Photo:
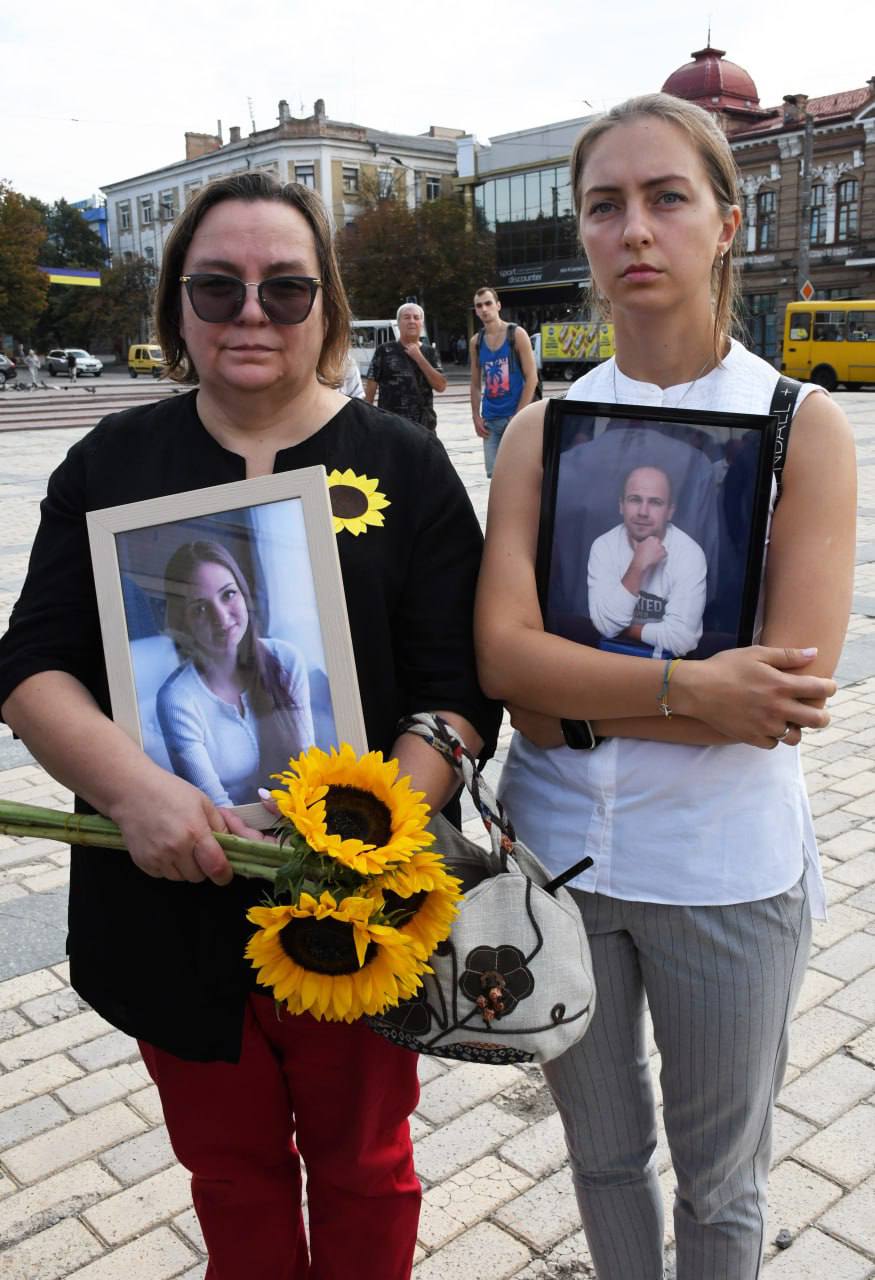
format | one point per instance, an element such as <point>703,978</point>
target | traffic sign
<point>806,293</point>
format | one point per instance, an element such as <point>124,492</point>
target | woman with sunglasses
<point>252,312</point>
<point>682,780</point>
<point>238,702</point>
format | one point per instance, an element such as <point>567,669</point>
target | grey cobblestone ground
<point>88,1184</point>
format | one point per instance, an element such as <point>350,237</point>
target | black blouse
<point>163,960</point>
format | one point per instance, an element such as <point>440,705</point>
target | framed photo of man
<point>225,631</point>
<point>653,527</point>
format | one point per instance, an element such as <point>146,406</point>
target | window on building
<point>191,189</point>
<point>146,209</point>
<point>148,253</point>
<point>167,206</point>
<point>305,175</point>
<point>350,176</point>
<point>432,186</point>
<point>767,220</point>
<point>762,323</point>
<point>124,217</point>
<point>848,210</point>
<point>818,213</point>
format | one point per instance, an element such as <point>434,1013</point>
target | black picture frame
<point>617,475</point>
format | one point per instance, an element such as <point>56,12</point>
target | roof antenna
<point>709,31</point>
<point>251,116</point>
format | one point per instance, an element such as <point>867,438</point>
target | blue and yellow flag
<point>72,275</point>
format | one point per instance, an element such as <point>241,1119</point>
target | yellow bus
<point>830,342</point>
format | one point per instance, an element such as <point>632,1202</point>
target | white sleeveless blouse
<point>689,826</point>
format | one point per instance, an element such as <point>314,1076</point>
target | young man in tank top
<point>506,365</point>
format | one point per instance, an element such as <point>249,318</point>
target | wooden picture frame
<point>687,490</point>
<point>176,649</point>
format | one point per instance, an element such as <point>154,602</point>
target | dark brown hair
<point>260,668</point>
<point>714,151</point>
<point>251,187</point>
<point>487,288</point>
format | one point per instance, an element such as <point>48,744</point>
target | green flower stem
<point>251,858</point>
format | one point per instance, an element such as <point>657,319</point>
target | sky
<point>93,96</point>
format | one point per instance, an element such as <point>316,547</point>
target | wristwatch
<point>579,735</point>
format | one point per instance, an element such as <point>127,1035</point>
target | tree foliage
<point>23,289</point>
<point>71,241</point>
<point>107,318</point>
<point>391,252</point>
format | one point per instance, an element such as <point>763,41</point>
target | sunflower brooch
<point>355,502</point>
<point>359,901</point>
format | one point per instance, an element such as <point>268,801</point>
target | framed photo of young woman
<point>225,631</point>
<point>653,526</point>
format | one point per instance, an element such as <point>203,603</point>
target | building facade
<point>518,186</point>
<point>807,175</point>
<point>345,163</point>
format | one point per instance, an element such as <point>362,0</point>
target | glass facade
<point>532,217</point>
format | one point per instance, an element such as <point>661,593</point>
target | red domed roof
<point>713,83</point>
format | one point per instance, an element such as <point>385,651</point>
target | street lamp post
<point>804,259</point>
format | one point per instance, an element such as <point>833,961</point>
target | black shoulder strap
<point>511,344</point>
<point>781,408</point>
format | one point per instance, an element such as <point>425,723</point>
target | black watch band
<point>578,734</point>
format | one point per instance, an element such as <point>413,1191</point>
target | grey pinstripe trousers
<point>721,984</point>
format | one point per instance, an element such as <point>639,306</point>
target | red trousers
<point>336,1093</point>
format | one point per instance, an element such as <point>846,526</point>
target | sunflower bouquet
<point>361,902</point>
<point>358,900</point>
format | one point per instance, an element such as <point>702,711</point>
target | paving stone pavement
<point>88,1184</point>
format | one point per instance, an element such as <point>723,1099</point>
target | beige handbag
<point>513,982</point>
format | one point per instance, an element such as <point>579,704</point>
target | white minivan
<point>367,335</point>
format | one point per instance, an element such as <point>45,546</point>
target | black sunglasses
<point>283,299</point>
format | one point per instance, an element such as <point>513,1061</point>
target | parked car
<point>56,361</point>
<point>7,369</point>
<point>146,357</point>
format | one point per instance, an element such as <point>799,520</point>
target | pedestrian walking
<point>72,367</point>
<point>32,362</point>
<point>682,780</point>
<point>503,361</point>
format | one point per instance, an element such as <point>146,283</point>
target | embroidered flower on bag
<point>496,979</point>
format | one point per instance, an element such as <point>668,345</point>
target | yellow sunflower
<point>355,502</point>
<point>356,810</point>
<point>423,888</point>
<point>329,960</point>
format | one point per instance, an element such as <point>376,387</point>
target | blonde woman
<point>705,872</point>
